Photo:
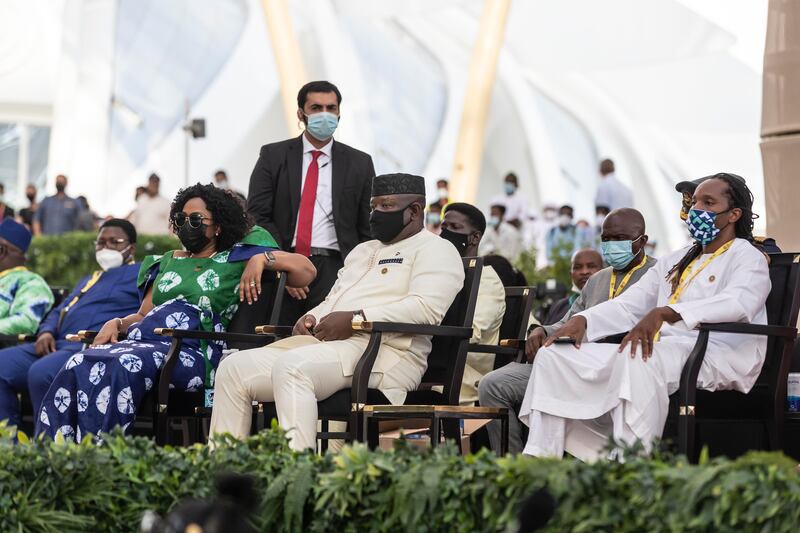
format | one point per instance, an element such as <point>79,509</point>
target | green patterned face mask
<point>702,225</point>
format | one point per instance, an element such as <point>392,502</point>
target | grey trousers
<point>505,387</point>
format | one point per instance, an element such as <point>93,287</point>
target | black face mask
<point>386,225</point>
<point>459,240</point>
<point>60,187</point>
<point>193,239</point>
<point>31,197</point>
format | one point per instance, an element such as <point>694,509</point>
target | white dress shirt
<point>323,232</point>
<point>516,206</point>
<point>151,216</point>
<point>612,193</point>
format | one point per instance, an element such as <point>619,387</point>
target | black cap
<point>690,186</point>
<point>387,184</point>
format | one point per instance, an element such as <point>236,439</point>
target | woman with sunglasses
<point>199,287</point>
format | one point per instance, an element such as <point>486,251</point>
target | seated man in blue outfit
<point>96,299</point>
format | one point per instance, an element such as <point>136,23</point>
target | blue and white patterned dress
<point>102,387</point>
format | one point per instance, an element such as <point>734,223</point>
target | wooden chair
<point>450,344</point>
<point>519,301</point>
<point>765,403</point>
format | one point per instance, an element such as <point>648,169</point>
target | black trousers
<point>327,269</point>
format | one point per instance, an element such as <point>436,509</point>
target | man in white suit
<point>405,275</point>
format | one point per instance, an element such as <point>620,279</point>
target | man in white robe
<point>580,395</point>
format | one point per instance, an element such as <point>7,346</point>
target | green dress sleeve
<point>258,236</point>
<point>257,241</point>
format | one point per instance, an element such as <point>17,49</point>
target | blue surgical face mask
<point>433,219</point>
<point>322,125</point>
<point>510,188</point>
<point>494,221</point>
<point>618,254</point>
<point>702,226</point>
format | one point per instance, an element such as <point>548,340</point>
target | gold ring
<point>252,283</point>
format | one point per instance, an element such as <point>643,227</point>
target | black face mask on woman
<point>193,239</point>
<point>386,225</point>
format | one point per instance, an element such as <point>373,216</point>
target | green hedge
<point>64,259</point>
<point>46,486</point>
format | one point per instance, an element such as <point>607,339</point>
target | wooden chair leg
<point>323,442</point>
<point>371,432</point>
<point>775,432</point>
<point>686,436</point>
<point>452,431</point>
<point>503,435</point>
<point>162,429</point>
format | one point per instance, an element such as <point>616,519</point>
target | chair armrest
<point>489,348</point>
<point>412,329</point>
<point>512,343</point>
<point>82,336</point>
<point>210,335</point>
<point>279,331</point>
<point>751,329</point>
<point>17,338</point>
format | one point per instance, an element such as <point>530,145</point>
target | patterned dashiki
<point>24,300</point>
<point>102,387</point>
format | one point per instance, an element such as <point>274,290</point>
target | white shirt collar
<point>308,147</point>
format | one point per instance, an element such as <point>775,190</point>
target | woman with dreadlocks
<point>581,394</point>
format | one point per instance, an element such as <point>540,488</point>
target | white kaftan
<point>577,398</point>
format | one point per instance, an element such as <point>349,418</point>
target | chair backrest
<point>519,301</point>
<point>449,355</point>
<point>59,293</point>
<point>782,305</point>
<point>265,311</point>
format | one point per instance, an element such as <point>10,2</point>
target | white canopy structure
<point>668,89</point>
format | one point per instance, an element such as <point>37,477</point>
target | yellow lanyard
<point>89,284</point>
<point>686,279</point>
<point>614,293</point>
<point>8,271</point>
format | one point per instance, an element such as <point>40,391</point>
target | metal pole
<point>187,132</point>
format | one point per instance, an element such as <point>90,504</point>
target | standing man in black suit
<point>312,193</point>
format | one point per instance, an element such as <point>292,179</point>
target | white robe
<point>576,398</point>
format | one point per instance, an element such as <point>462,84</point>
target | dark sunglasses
<point>195,219</point>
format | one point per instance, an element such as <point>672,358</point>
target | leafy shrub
<point>64,259</point>
<point>46,486</point>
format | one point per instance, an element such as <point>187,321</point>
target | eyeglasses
<point>195,219</point>
<point>109,243</point>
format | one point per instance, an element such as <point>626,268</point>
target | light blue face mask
<point>493,221</point>
<point>618,254</point>
<point>322,125</point>
<point>510,188</point>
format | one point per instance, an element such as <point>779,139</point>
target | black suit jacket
<point>274,196</point>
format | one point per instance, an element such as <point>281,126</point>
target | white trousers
<point>295,373</point>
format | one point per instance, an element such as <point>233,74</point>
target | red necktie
<point>305,217</point>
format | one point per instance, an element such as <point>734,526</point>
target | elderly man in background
<point>623,242</point>
<point>584,264</point>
